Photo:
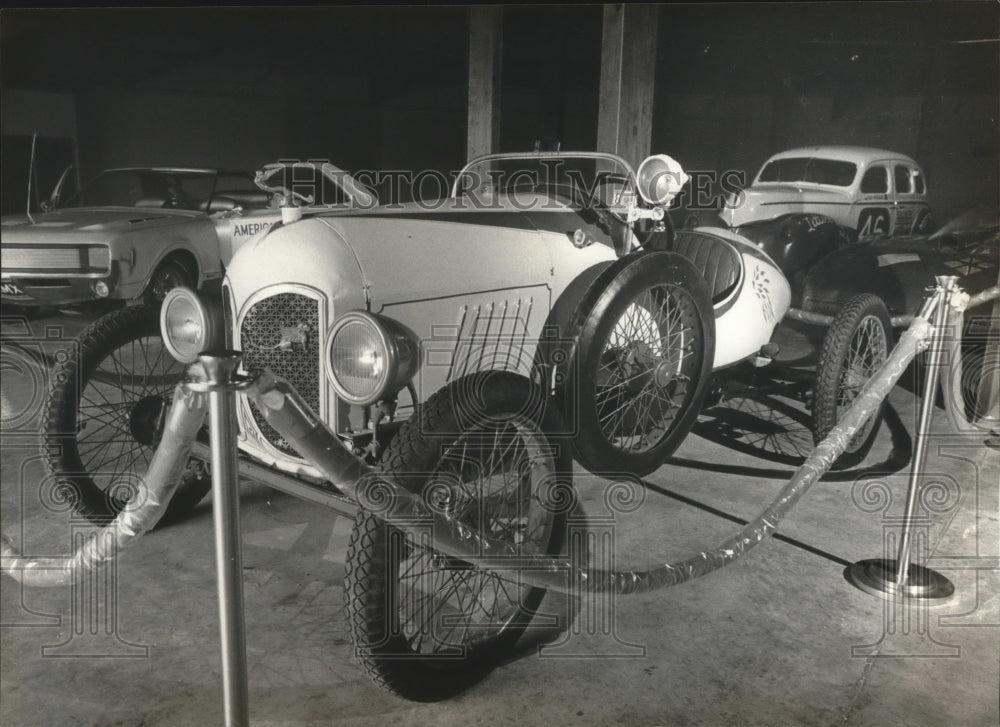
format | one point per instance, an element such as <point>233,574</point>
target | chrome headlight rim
<point>390,340</point>
<point>659,180</point>
<point>206,317</point>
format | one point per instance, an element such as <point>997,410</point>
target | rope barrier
<point>301,427</point>
<point>143,511</point>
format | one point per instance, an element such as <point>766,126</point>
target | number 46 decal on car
<point>873,222</point>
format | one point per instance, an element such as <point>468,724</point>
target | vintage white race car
<point>469,348</point>
<point>136,233</point>
<point>475,282</point>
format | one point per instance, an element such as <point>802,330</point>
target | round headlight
<point>187,325</point>
<point>369,357</point>
<point>659,179</point>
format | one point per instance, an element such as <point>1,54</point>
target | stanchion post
<point>220,369</point>
<point>946,283</point>
<point>886,578</point>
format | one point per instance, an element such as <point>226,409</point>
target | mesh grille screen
<point>281,333</point>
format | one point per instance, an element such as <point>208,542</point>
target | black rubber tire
<point>600,444</point>
<point>79,375</point>
<point>418,459</point>
<point>863,320</point>
<point>168,275</point>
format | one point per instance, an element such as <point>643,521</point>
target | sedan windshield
<point>809,169</point>
<point>178,189</point>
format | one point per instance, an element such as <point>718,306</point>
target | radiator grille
<point>281,333</point>
<point>95,258</point>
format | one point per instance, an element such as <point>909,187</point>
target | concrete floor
<point>777,638</point>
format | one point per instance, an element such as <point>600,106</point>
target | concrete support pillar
<point>628,64</point>
<point>485,55</point>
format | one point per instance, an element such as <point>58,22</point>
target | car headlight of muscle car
<point>189,325</point>
<point>370,357</point>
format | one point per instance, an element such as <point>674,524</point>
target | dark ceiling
<point>78,50</point>
<point>744,45</point>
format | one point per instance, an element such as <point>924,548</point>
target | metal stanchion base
<point>878,578</point>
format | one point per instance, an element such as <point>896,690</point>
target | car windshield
<point>556,179</point>
<point>178,189</point>
<point>809,169</point>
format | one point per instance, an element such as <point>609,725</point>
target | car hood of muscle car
<point>95,222</point>
<point>767,201</point>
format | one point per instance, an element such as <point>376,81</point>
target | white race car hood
<point>407,257</point>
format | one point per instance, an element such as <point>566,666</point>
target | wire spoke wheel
<point>484,484</point>
<point>646,342</point>
<point>855,347</point>
<point>427,625</point>
<point>105,416</point>
<point>122,408</point>
<point>643,379</point>
<point>867,351</point>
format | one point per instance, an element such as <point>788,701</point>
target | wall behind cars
<point>123,128</point>
<point>739,82</point>
<point>45,121</point>
<point>376,87</point>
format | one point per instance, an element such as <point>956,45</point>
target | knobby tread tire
<point>416,448</point>
<point>69,379</point>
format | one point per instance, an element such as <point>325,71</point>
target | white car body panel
<point>761,301</point>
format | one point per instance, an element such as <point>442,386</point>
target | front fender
<point>857,269</point>
<point>141,254</point>
<point>796,242</point>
